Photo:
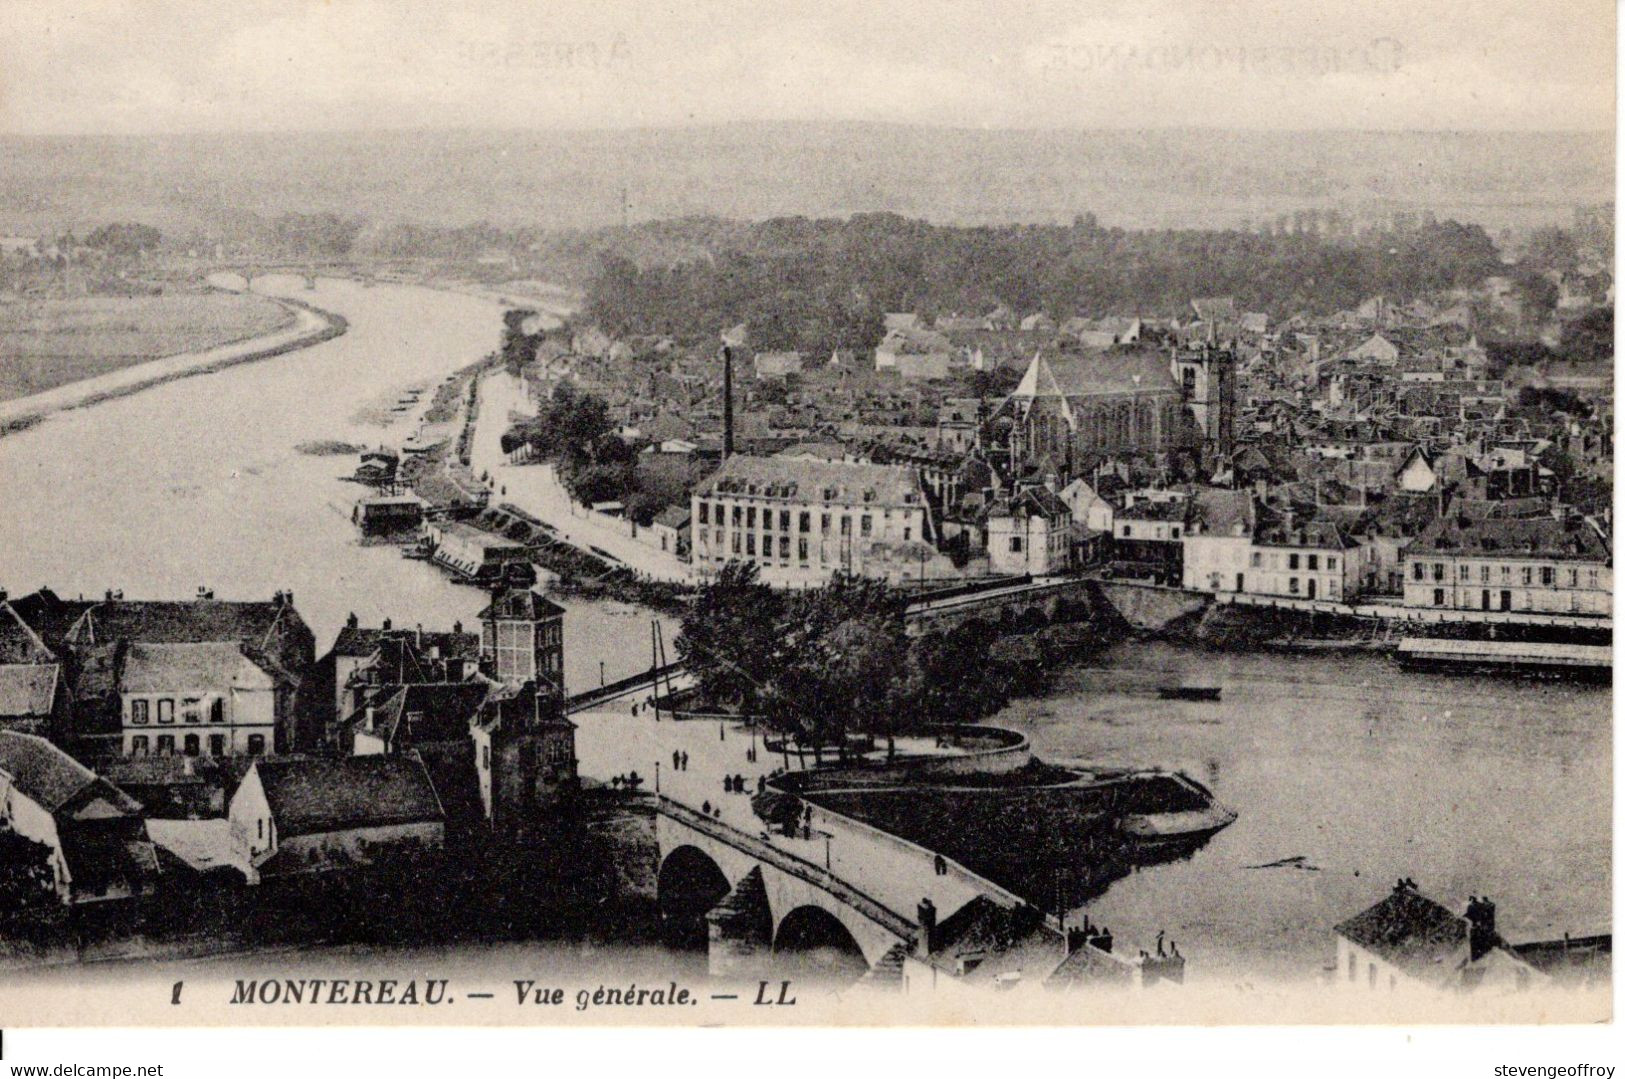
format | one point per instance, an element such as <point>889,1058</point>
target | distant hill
<point>575,179</point>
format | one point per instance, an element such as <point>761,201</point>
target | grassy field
<point>50,343</point>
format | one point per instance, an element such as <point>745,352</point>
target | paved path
<point>535,488</point>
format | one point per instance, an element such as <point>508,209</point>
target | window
<point>1484,573</point>
<point>485,757</point>
<point>705,513</point>
<point>138,713</point>
<point>194,745</point>
<point>823,521</point>
<point>166,745</point>
<point>1591,578</point>
<point>1416,571</point>
<point>1292,586</point>
<point>806,521</point>
<point>1465,572</point>
<point>784,548</point>
<point>1574,578</point>
<point>1548,576</point>
<point>801,550</point>
<point>1314,561</point>
<point>1257,560</point>
<point>867,525</point>
<point>736,516</point>
<point>907,532</point>
<point>750,517</point>
<point>217,711</point>
<point>1438,571</point>
<point>784,520</point>
<point>1331,561</point>
<point>736,542</point>
<point>1127,531</point>
<point>1528,575</point>
<point>1438,597</point>
<point>1015,544</point>
<point>515,650</point>
<point>138,745</point>
<point>1176,531</point>
<point>1292,561</point>
<point>166,711</point>
<point>217,745</point>
<point>750,544</point>
<point>256,745</point>
<point>260,827</point>
<point>191,710</point>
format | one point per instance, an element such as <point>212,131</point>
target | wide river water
<point>198,482</point>
<point>1364,773</point>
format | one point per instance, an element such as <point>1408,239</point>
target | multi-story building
<point>212,698</point>
<point>522,639</point>
<point>814,517</point>
<point>1030,531</point>
<point>1539,565</point>
<point>1315,560</point>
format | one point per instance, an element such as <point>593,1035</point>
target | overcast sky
<point>129,66</point>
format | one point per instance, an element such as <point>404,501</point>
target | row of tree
<point>822,664</point>
<point>817,285</point>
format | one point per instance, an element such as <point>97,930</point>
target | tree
<point>27,882</point>
<point>730,637</point>
<point>1589,339</point>
<point>126,240</point>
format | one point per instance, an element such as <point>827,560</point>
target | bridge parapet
<point>795,866</point>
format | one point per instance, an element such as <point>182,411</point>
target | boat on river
<point>1189,693</point>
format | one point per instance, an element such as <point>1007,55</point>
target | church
<point>1075,409</point>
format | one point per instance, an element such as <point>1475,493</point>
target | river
<point>1471,786</point>
<point>198,482</point>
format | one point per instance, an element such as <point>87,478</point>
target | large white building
<point>812,517</point>
<point>1543,566</point>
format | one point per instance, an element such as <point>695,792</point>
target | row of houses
<point>139,738</point>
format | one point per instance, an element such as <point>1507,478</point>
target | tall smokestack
<point>727,401</point>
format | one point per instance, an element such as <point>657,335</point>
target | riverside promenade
<point>535,488</point>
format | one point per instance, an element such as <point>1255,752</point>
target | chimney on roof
<point>388,624</point>
<point>457,627</point>
<point>109,596</point>
<point>352,622</point>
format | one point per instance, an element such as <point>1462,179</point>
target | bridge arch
<point>814,945</point>
<point>690,883</point>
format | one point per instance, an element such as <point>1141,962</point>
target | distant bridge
<point>1023,601</point>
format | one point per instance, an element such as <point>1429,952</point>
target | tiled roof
<point>51,778</point>
<point>164,621</point>
<point>310,795</point>
<point>1086,374</point>
<point>1548,538</point>
<point>815,481</point>
<point>444,711</point>
<point>1414,933</point>
<point>215,665</point>
<point>27,689</point>
<point>521,604</point>
<point>361,641</point>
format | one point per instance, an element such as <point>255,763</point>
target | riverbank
<point>311,326</point>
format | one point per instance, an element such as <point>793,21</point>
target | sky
<point>158,66</point>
